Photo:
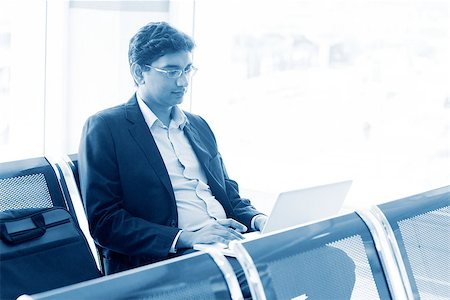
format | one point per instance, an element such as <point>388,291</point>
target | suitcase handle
<point>23,236</point>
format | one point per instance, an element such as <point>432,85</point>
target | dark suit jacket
<point>127,192</point>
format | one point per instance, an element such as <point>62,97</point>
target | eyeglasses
<point>176,73</point>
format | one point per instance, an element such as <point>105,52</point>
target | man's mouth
<point>179,93</point>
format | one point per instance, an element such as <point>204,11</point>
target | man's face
<point>159,89</point>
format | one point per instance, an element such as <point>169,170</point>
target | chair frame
<point>389,253</point>
<point>74,202</point>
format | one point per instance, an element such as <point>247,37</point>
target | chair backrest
<point>332,259</point>
<point>29,183</point>
<point>193,276</point>
<point>420,227</point>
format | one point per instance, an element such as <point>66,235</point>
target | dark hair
<point>155,40</point>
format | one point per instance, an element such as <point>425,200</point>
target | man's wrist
<point>184,240</point>
<point>259,221</point>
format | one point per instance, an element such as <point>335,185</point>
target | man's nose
<point>183,80</point>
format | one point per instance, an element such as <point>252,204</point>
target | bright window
<point>298,92</point>
<point>22,79</point>
<point>308,92</point>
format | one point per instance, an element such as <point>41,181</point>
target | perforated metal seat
<point>421,230</point>
<point>29,183</point>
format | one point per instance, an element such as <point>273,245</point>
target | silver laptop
<point>298,207</point>
<point>307,205</point>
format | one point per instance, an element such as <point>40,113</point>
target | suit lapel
<point>204,156</point>
<point>200,150</point>
<point>142,136</point>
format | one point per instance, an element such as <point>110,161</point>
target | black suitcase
<point>41,249</point>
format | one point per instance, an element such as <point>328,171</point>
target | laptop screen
<point>307,205</point>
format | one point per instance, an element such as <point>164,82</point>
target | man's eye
<point>173,72</point>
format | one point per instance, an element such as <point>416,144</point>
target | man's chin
<point>179,99</point>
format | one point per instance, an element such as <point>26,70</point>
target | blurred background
<point>298,93</point>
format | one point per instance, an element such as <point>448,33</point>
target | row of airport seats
<point>396,250</point>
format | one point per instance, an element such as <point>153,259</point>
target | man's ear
<point>136,72</point>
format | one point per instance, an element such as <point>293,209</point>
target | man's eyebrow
<point>175,66</point>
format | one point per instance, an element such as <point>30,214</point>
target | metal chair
<point>331,259</point>
<point>192,276</point>
<point>33,184</point>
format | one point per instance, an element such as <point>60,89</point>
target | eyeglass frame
<point>190,72</point>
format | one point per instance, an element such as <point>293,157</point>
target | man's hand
<point>222,231</point>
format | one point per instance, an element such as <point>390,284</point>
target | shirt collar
<point>178,118</point>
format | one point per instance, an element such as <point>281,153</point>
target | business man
<point>152,179</point>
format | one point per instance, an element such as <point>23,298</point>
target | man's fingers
<point>235,234</point>
<point>233,224</point>
<point>222,231</point>
<point>227,233</point>
<point>224,236</point>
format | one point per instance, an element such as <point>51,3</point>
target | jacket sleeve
<point>111,225</point>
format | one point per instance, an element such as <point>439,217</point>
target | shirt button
<point>172,223</point>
